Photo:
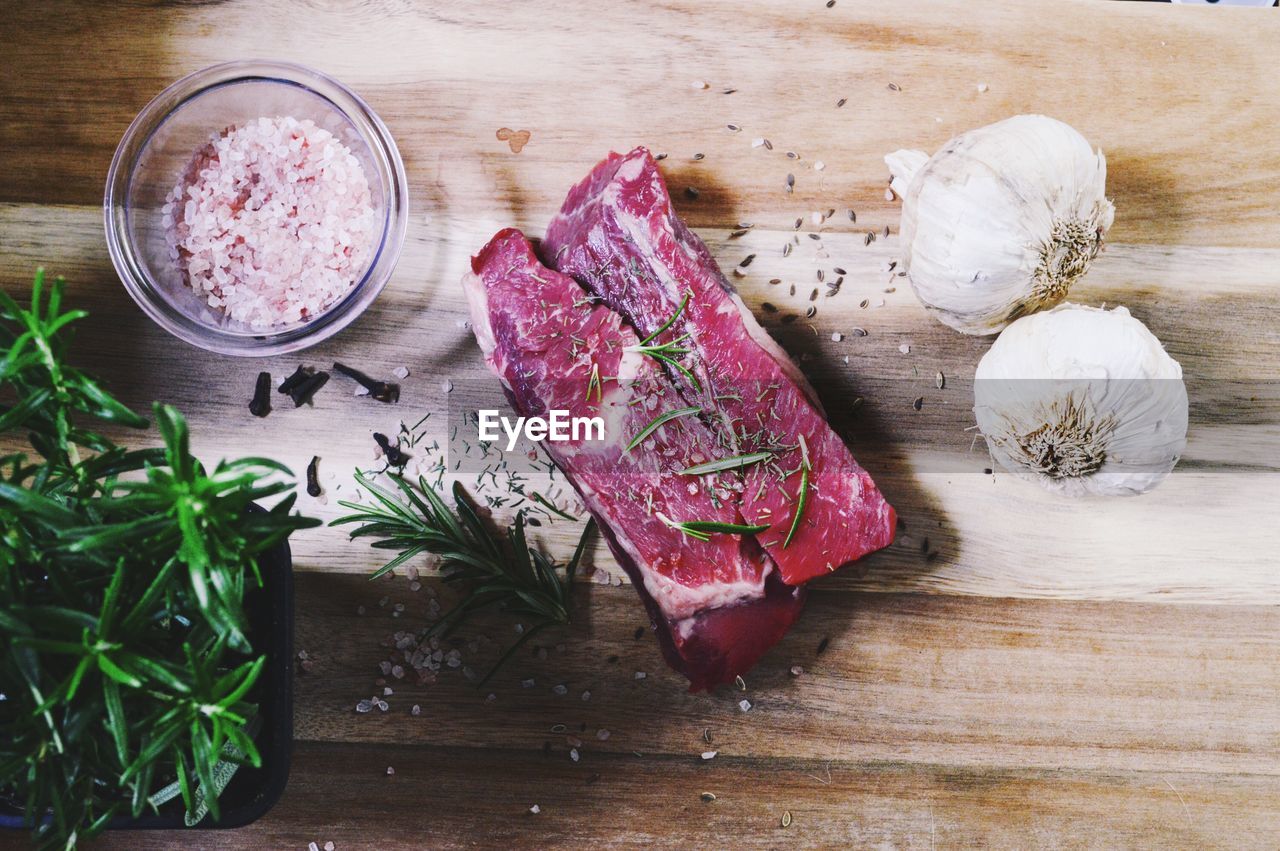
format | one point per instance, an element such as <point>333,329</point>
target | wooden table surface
<point>1017,671</point>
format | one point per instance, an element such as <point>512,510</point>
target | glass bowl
<point>160,144</point>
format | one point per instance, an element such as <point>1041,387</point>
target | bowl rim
<point>138,282</point>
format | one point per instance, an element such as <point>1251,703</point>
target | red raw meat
<point>718,605</point>
<point>618,234</point>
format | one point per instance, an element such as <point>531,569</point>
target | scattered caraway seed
<point>729,91</point>
<point>692,192</point>
<point>659,157</point>
<point>792,155</point>
<point>775,281</point>
<point>885,231</point>
<point>382,391</point>
<point>841,102</point>
<point>313,477</point>
<point>639,633</point>
<point>824,644</point>
<point>864,303</point>
<point>789,318</point>
<point>699,156</point>
<point>813,296</point>
<point>940,380</point>
<point>839,270</point>
<point>768,307</point>
<point>740,683</point>
<point>746,261</point>
<point>738,233</point>
<point>786,818</point>
<point>260,405</point>
<point>918,403</point>
<point>815,236</point>
<point>708,797</point>
<point>894,87</point>
<point>732,128</point>
<point>853,217</point>
<point>811,312</point>
<point>392,452</point>
<point>791,183</point>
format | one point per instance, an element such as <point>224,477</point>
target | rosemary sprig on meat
<point>657,422</point>
<point>803,498</point>
<point>702,530</point>
<point>737,462</point>
<point>495,570</point>
<point>669,352</point>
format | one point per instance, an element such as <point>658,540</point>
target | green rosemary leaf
<point>494,570</point>
<point>703,529</point>
<point>657,423</point>
<point>801,501</point>
<point>665,325</point>
<point>735,463</point>
<point>547,504</point>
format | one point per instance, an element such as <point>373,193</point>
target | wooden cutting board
<point>1017,671</point>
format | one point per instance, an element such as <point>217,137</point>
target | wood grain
<point>1017,671</point>
<point>926,722</point>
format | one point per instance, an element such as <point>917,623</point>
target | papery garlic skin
<point>1001,221</point>
<point>1083,401</point>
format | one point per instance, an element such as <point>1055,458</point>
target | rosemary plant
<point>126,661</point>
<point>496,571</point>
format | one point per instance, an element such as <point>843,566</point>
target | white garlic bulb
<point>1083,401</point>
<point>1001,221</point>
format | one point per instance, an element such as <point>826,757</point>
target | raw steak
<point>618,234</point>
<point>717,604</point>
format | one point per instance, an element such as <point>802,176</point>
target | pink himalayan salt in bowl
<point>255,208</point>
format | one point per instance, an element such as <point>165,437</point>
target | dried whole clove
<point>300,375</point>
<point>302,392</point>
<point>391,451</point>
<point>260,405</point>
<point>313,476</point>
<point>383,391</point>
<point>303,384</point>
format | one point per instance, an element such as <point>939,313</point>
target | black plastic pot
<point>252,791</point>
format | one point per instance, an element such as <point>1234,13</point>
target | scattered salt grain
<point>700,84</point>
<point>586,696</point>
<point>836,337</point>
<point>560,690</point>
<point>602,735</point>
<point>529,683</point>
<point>329,846</point>
<point>709,754</point>
<point>819,165</point>
<point>573,755</point>
<point>400,372</point>
<point>311,846</point>
<point>271,222</point>
<point>905,348</point>
<point>982,88</point>
<point>744,705</point>
<point>640,675</point>
<point>535,809</point>
<point>390,771</point>
<point>364,706</point>
<point>416,710</point>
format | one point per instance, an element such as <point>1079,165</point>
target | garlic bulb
<point>1083,401</point>
<point>1001,221</point>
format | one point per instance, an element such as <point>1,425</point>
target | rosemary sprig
<point>803,498</point>
<point>507,573</point>
<point>669,352</point>
<point>550,506</point>
<point>125,655</point>
<point>665,325</point>
<point>737,462</point>
<point>702,530</point>
<point>657,422</point>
